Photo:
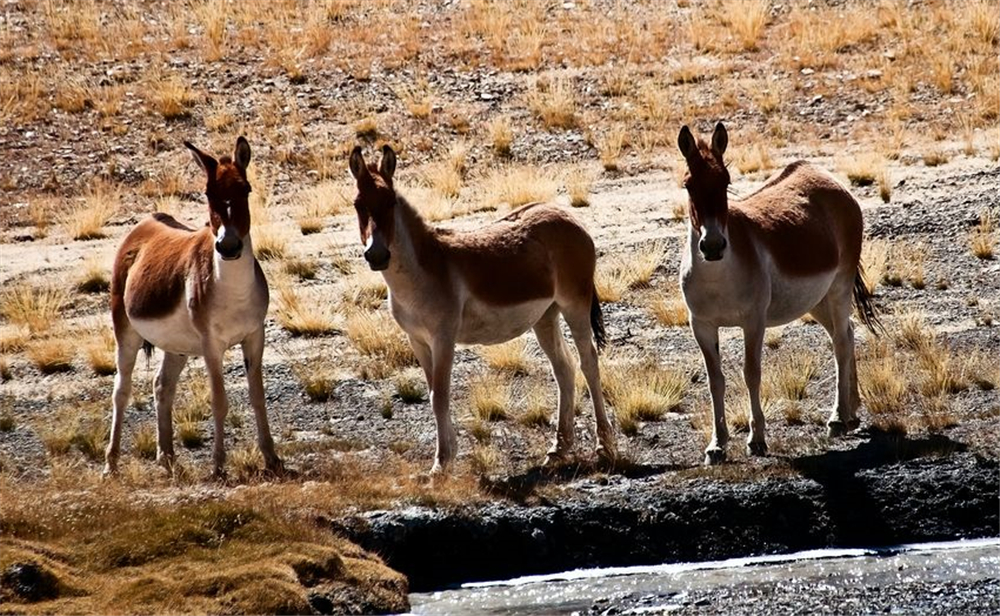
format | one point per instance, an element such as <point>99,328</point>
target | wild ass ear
<point>720,139</point>
<point>205,161</point>
<point>358,167</point>
<point>387,166</point>
<point>686,142</point>
<point>242,154</point>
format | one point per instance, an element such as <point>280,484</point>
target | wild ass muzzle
<point>485,287</point>
<point>791,248</point>
<point>193,292</point>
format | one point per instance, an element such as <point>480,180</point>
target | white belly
<point>792,297</point>
<point>175,333</point>
<point>488,324</point>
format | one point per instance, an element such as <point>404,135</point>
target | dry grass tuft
<point>578,187</point>
<point>619,273</point>
<point>501,136</point>
<point>410,386</point>
<point>300,315</point>
<point>935,157</point>
<point>377,336</point>
<point>983,240</point>
<point>144,441</point>
<point>511,357</point>
<point>874,261</point>
<point>788,375</point>
<point>555,105</point>
<point>100,352</point>
<point>486,460</point>
<point>101,202</point>
<point>670,310</point>
<point>753,158</point>
<point>303,268</point>
<point>490,396</point>
<point>640,389</point>
<point>746,20</point>
<point>537,412</point>
<point>516,186</point>
<point>609,148</point>
<point>863,169</point>
<point>171,97</point>
<point>35,307</point>
<point>316,376</point>
<point>94,278</point>
<point>882,383</point>
<point>366,290</point>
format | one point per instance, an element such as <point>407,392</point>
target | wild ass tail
<point>863,302</point>
<point>597,322</point>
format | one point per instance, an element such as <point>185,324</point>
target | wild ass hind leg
<point>165,389</point>
<point>583,335</point>
<point>220,408</point>
<point>834,314</point>
<point>253,359</point>
<point>554,346</point>
<point>442,358</point>
<point>127,342</point>
<point>753,343</point>
<point>707,336</point>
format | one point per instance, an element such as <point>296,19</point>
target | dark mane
<point>787,171</point>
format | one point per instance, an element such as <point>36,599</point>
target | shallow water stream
<point>669,587</point>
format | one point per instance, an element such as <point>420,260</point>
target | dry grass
<point>37,308</point>
<point>578,186</point>
<point>100,351</point>
<point>410,386</point>
<point>863,169</point>
<point>935,157</point>
<point>445,179</point>
<point>874,261</point>
<point>501,136</point>
<point>101,201</point>
<point>746,20</point>
<point>269,242</point>
<point>670,310</point>
<point>753,158</point>
<point>884,180</point>
<point>640,389</point>
<point>366,290</point>
<point>316,376</point>
<point>303,268</point>
<point>516,186</point>
<point>52,355</point>
<point>509,357</point>
<point>983,239</point>
<point>486,460</point>
<point>13,338</point>
<point>377,336</point>
<point>94,277</point>
<point>171,97</point>
<point>144,441</point>
<point>609,148</point>
<point>554,105</point>
<point>788,375</point>
<point>537,412</point>
<point>619,273</point>
<point>490,396</point>
<point>301,315</point>
<point>882,383</point>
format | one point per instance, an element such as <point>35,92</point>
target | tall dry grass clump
<point>621,272</point>
<point>510,357</point>
<point>300,315</point>
<point>554,105</point>
<point>490,396</point>
<point>516,186</point>
<point>36,307</point>
<point>639,389</point>
<point>983,239</point>
<point>101,201</point>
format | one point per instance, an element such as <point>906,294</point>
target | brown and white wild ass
<point>791,248</point>
<point>193,292</point>
<point>485,287</point>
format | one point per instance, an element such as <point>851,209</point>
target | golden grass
<point>537,412</point>
<point>516,186</point>
<point>317,377</point>
<point>486,460</point>
<point>303,268</point>
<point>501,136</point>
<point>670,310</point>
<point>269,242</point>
<point>37,308</point>
<point>609,148</point>
<point>377,336</point>
<point>365,290</point>
<point>554,105</point>
<point>101,202</point>
<point>578,186</point>
<point>13,338</point>
<point>788,375</point>
<point>746,20</point>
<point>144,441</point>
<point>100,351</point>
<point>410,386</point>
<point>881,383</point>
<point>490,396</point>
<point>511,357</point>
<point>301,315</point>
<point>753,158</point>
<point>639,389</point>
<point>874,261</point>
<point>862,169</point>
<point>444,178</point>
<point>884,179</point>
<point>934,157</point>
<point>621,272</point>
<point>171,97</point>
<point>983,239</point>
<point>366,128</point>
<point>94,277</point>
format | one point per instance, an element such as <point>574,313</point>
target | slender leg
<point>128,343</point>
<point>442,356</point>
<point>707,336</point>
<point>833,313</point>
<point>253,359</point>
<point>552,343</point>
<point>425,359</point>
<point>583,335</point>
<point>165,389</point>
<point>753,342</point>
<point>220,406</point>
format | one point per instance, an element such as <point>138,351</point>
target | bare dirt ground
<point>489,106</point>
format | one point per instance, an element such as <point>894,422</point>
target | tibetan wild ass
<point>485,287</point>
<point>193,292</point>
<point>791,248</point>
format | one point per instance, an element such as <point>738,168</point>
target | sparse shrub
<point>670,311</point>
<point>982,241</point>
<point>578,188</point>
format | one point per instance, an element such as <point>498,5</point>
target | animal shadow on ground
<point>522,487</point>
<point>869,502</point>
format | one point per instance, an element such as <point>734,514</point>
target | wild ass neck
<point>235,276</point>
<point>407,276</point>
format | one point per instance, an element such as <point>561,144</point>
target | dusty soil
<point>301,128</point>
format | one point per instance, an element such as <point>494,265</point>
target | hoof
<point>838,428</point>
<point>275,468</point>
<point>757,448</point>
<point>714,455</point>
<point>554,459</point>
<point>109,471</point>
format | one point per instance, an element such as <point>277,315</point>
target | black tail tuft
<point>597,322</point>
<point>147,350</point>
<point>863,302</point>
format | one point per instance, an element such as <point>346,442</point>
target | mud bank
<point>886,491</point>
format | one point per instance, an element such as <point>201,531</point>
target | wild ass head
<point>228,194</point>
<point>375,205</point>
<point>707,182</point>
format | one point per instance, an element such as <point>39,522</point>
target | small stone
<point>807,71</point>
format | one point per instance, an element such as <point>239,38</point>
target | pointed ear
<point>241,156</point>
<point>686,142</point>
<point>358,167</point>
<point>205,161</point>
<point>720,139</point>
<point>387,166</point>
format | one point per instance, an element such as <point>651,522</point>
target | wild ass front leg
<point>753,343</point>
<point>443,354</point>
<point>552,343</point>
<point>165,389</point>
<point>220,408</point>
<point>128,344</point>
<point>253,360</point>
<point>707,337</point>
